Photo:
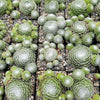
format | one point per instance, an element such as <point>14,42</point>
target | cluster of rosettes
<point>50,54</point>
<point>77,30</point>
<point>20,54</point>
<point>84,7</point>
<point>51,85</point>
<point>82,31</point>
<point>24,31</point>
<point>53,27</point>
<point>57,4</point>
<point>27,7</point>
<point>3,29</point>
<point>17,84</point>
<point>6,6</point>
<point>16,73</point>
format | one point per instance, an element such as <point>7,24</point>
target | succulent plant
<point>83,90</point>
<point>78,74</point>
<point>69,95</point>
<point>80,56</point>
<point>97,31</point>
<point>42,20</point>
<point>17,84</point>
<point>50,27</point>
<point>80,30</point>
<point>1,92</point>
<point>17,89</point>
<point>67,81</point>
<point>85,7</point>
<point>78,7</point>
<point>97,76</point>
<point>61,1</point>
<point>62,6</point>
<point>26,6</point>
<point>96,97</point>
<point>94,49</point>
<point>77,30</point>
<point>3,29</point>
<point>3,64</point>
<point>6,6</point>
<point>50,54</point>
<point>2,45</point>
<point>31,67</point>
<point>21,54</point>
<point>80,33</point>
<point>15,14</point>
<point>53,27</point>
<point>97,8</point>
<point>15,3</point>
<point>86,70</point>
<point>24,31</point>
<point>52,6</point>
<point>49,4</point>
<point>50,86</point>
<point>34,14</point>
<point>79,27</point>
<point>96,60</point>
<point>37,1</point>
